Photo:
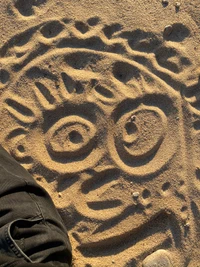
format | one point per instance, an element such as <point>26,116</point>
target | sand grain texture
<point>100,103</point>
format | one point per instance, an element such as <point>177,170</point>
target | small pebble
<point>158,258</point>
<point>132,118</point>
<point>187,225</point>
<point>177,4</point>
<point>135,194</point>
<point>168,30</point>
<point>59,194</point>
<point>165,2</point>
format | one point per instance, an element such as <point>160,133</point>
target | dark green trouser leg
<point>31,230</point>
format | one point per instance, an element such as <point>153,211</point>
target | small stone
<point>165,2</point>
<point>59,194</point>
<point>160,258</point>
<point>168,30</point>
<point>177,4</point>
<point>135,194</point>
<point>187,225</point>
<point>133,118</point>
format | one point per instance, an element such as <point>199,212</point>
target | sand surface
<point>100,101</point>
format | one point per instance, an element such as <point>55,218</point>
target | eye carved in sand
<point>70,136</point>
<point>140,133</point>
<point>139,138</point>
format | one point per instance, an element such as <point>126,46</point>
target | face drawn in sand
<point>99,113</point>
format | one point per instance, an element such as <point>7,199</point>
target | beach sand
<point>100,102</point>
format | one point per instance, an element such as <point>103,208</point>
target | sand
<point>100,102</point>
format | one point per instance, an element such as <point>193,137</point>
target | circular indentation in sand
<point>75,137</point>
<point>103,91</point>
<point>146,193</point>
<point>131,128</point>
<point>4,76</point>
<point>149,206</point>
<point>52,29</point>
<point>166,186</point>
<point>124,72</point>
<point>39,178</point>
<point>25,7</point>
<point>93,21</point>
<point>184,208</point>
<point>82,27</point>
<point>21,148</point>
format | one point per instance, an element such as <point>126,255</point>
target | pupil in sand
<point>75,137</point>
<point>131,128</point>
<point>21,148</point>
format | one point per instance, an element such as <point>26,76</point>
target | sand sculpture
<point>107,120</point>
